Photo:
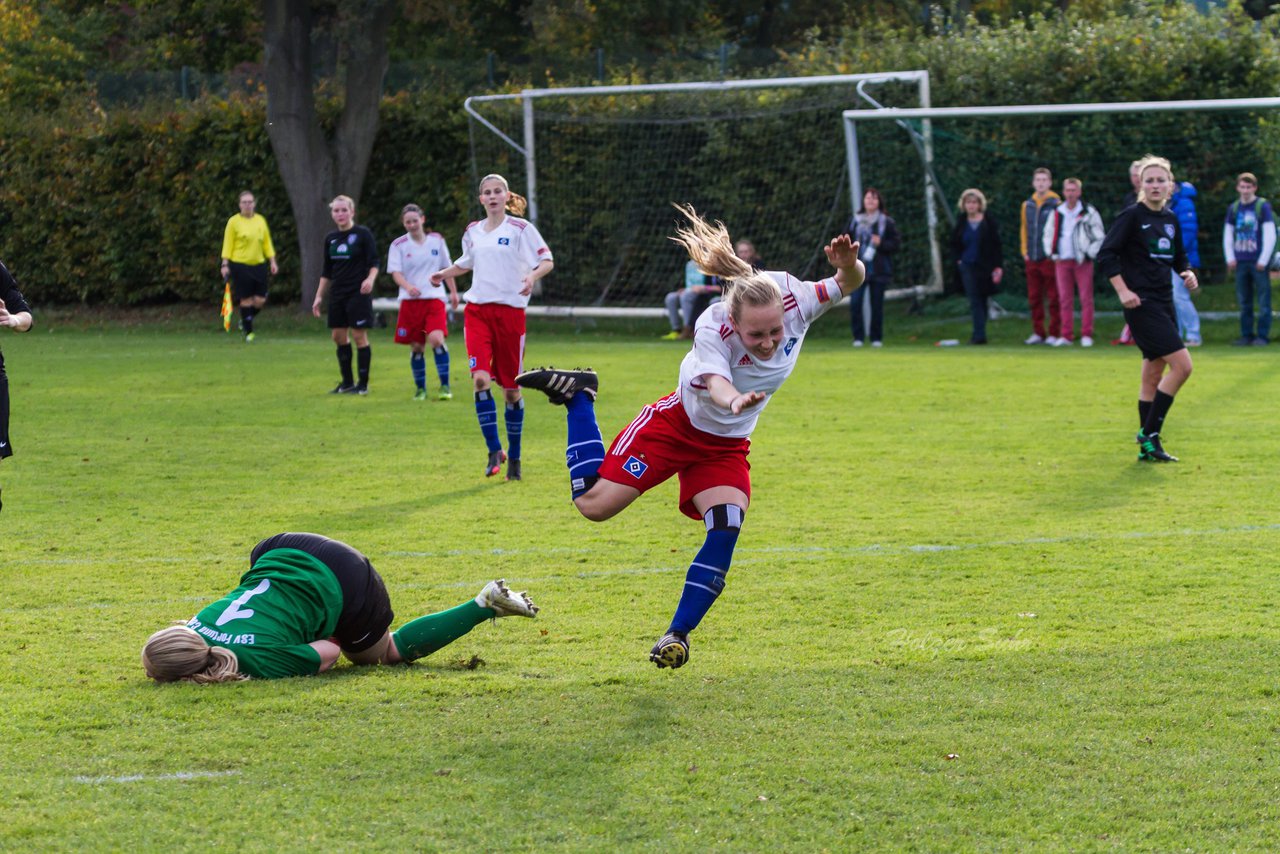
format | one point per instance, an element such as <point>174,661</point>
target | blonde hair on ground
<point>178,653</point>
<point>711,250</point>
<point>1146,163</point>
<point>516,203</point>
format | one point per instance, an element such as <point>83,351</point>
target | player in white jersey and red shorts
<point>744,348</point>
<point>422,319</point>
<point>505,255</point>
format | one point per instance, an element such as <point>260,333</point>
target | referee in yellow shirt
<point>247,254</point>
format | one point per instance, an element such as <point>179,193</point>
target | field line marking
<point>154,778</point>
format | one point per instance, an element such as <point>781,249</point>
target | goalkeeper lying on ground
<point>305,599</point>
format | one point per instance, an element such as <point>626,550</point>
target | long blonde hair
<point>710,248</point>
<point>1146,163</point>
<point>516,203</point>
<point>178,653</point>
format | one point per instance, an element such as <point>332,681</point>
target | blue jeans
<point>973,289</point>
<point>1248,280</point>
<point>1188,317</point>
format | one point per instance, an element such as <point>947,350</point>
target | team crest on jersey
<point>744,361</point>
<point>351,238</point>
<point>472,362</point>
<point>789,346</point>
<point>435,251</point>
<point>635,467</point>
<point>504,241</point>
<point>1168,229</point>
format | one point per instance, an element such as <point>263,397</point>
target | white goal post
<point>1112,122</point>
<point>526,139</point>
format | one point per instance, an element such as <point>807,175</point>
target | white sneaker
<point>1062,342</point>
<point>1034,339</point>
<point>857,342</point>
<point>496,597</point>
<point>1086,341</point>
<point>1052,340</point>
<point>877,344</point>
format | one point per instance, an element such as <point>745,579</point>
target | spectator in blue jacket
<point>1183,206</point>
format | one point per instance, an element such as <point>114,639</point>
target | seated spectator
<point>679,304</point>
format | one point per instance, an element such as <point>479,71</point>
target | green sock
<point>423,636</point>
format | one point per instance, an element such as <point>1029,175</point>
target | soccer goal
<point>996,149</point>
<point>601,166</point>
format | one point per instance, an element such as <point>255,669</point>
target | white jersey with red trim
<point>718,350</point>
<point>417,261</point>
<point>500,259</point>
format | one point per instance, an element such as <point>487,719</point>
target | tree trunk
<point>313,170</point>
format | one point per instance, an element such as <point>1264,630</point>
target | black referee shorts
<point>248,280</point>
<point>366,606</point>
<point>1154,325</point>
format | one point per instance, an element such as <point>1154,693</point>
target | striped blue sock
<point>487,415</point>
<point>586,449</point>
<point>515,423</point>
<point>442,364</point>
<point>705,579</point>
<point>418,364</point>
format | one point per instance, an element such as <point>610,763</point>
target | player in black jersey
<point>15,314</point>
<point>1143,245</point>
<point>351,267</point>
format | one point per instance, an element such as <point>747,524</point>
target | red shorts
<point>418,318</point>
<point>494,335</point>
<point>661,442</point>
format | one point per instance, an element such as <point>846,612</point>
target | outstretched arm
<point>724,395</point>
<point>842,252</point>
<point>18,322</point>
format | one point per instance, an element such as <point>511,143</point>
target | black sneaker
<point>496,459</point>
<point>361,388</point>
<point>671,650</point>
<point>560,385</point>
<point>513,469</point>
<point>343,389</point>
<point>1151,451</point>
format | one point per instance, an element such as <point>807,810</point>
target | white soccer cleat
<point>497,598</point>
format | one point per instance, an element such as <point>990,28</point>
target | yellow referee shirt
<point>247,240</point>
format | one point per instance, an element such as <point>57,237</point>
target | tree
<point>314,167</point>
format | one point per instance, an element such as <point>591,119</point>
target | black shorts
<point>1154,325</point>
<point>351,311</point>
<point>366,606</point>
<point>248,280</point>
<point>6,449</point>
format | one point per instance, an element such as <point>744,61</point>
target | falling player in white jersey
<point>423,319</point>
<point>505,255</point>
<point>744,348</point>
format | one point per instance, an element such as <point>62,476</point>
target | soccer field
<point>960,615</point>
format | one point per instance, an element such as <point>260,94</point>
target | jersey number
<point>235,612</point>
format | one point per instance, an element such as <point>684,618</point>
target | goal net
<point>996,149</point>
<point>603,165</point>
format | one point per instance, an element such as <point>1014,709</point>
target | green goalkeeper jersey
<point>285,601</point>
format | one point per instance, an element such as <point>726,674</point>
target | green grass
<point>951,552</point>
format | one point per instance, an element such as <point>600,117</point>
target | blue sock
<point>515,422</point>
<point>442,364</point>
<point>705,579</point>
<point>586,449</point>
<point>418,364</point>
<point>487,414</point>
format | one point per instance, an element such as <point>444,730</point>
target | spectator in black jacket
<point>979,257</point>
<point>877,234</point>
